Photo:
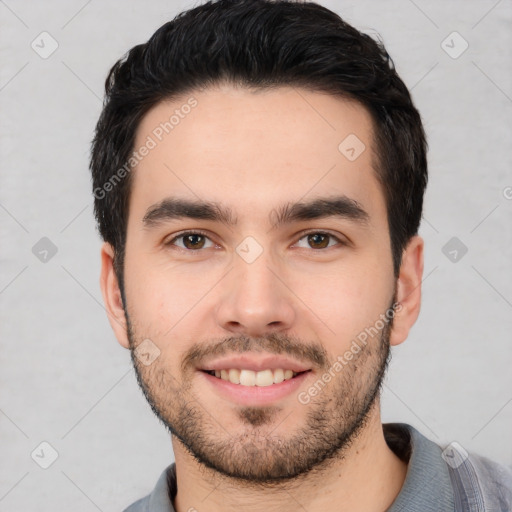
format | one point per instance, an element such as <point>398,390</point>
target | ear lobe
<point>408,292</point>
<point>112,295</point>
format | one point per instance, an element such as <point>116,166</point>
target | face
<point>257,258</point>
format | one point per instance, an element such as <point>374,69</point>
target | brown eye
<point>319,240</point>
<point>191,241</point>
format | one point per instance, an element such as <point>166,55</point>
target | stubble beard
<point>259,451</point>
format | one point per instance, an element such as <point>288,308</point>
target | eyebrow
<point>171,208</point>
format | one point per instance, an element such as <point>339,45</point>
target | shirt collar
<point>427,486</point>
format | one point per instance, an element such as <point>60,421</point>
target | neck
<point>368,477</point>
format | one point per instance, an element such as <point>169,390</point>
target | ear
<point>408,292</point>
<point>112,295</point>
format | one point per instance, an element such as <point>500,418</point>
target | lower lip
<point>255,395</point>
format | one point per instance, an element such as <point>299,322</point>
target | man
<point>258,172</point>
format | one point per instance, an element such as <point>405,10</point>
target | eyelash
<point>202,233</point>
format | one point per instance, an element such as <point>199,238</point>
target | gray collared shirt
<point>437,480</point>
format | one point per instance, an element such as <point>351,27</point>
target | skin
<point>253,152</point>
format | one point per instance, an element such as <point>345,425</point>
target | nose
<point>256,299</point>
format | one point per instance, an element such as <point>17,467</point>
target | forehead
<point>254,150</point>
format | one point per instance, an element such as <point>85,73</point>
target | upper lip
<point>256,363</point>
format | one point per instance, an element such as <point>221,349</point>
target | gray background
<point>64,378</point>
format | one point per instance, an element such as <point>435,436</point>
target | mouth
<point>243,386</point>
<point>249,378</point>
<point>253,379</point>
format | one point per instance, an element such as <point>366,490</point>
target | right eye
<point>191,241</point>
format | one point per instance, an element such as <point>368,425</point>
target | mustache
<point>274,343</point>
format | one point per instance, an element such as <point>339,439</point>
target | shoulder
<point>139,506</point>
<point>495,481</point>
<point>478,482</point>
<point>475,482</point>
<point>159,500</point>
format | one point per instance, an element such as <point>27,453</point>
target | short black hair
<point>260,44</point>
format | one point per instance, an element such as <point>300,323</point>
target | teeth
<point>234,376</point>
<point>251,378</point>
<point>278,376</point>
<point>247,378</point>
<point>264,378</point>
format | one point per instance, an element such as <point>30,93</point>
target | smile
<point>245,377</point>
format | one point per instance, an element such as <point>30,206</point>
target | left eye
<point>319,240</point>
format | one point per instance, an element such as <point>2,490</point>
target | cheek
<point>166,303</point>
<point>152,299</point>
<point>346,300</point>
